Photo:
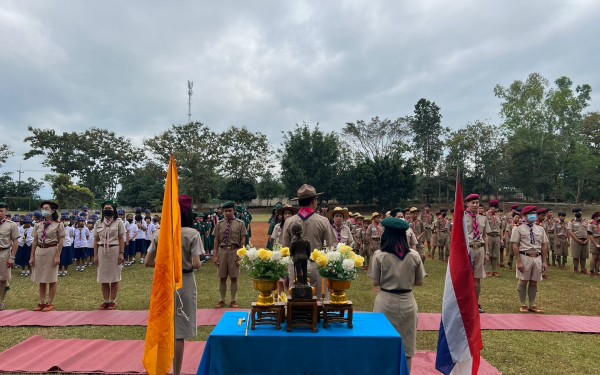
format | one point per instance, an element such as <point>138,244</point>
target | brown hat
<point>414,209</point>
<point>338,210</point>
<point>374,215</point>
<point>306,191</point>
<point>287,207</point>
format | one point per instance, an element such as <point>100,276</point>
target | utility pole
<point>190,92</point>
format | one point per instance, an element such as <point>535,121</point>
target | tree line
<point>544,148</point>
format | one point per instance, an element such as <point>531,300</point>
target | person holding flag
<point>459,341</point>
<point>530,246</point>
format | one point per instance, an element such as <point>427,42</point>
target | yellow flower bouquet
<point>265,264</point>
<point>340,263</point>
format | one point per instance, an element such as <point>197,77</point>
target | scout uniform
<point>363,241</point>
<point>374,232</point>
<point>594,236</point>
<point>25,241</point>
<point>9,236</point>
<point>418,228</point>
<point>427,219</point>
<point>549,226</point>
<point>230,235</point>
<point>343,233</point>
<point>561,247</point>
<point>578,232</point>
<point>107,236</point>
<point>493,237</point>
<point>531,242</point>
<point>441,228</point>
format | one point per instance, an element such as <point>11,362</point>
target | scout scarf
<point>531,236</point>
<point>2,221</point>
<point>305,213</point>
<point>476,234</point>
<point>400,251</point>
<point>339,232</point>
<point>227,231</point>
<point>107,222</point>
<point>46,225</point>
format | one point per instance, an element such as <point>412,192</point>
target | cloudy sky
<point>267,65</point>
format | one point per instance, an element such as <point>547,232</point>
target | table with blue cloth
<point>373,346</point>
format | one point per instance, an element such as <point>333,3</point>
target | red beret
<point>472,197</point>
<point>541,211</point>
<point>185,202</point>
<point>514,206</point>
<point>494,203</point>
<point>528,209</point>
<point>595,215</point>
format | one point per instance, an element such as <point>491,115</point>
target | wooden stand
<point>272,315</point>
<point>335,313</point>
<point>302,313</point>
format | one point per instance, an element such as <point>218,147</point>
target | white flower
<point>252,254</point>
<point>333,256</point>
<point>276,256</point>
<point>339,246</point>
<point>348,264</point>
<point>285,260</point>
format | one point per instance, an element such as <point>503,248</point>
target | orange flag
<point>160,335</point>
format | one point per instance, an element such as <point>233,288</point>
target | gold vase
<point>266,288</point>
<point>338,290</point>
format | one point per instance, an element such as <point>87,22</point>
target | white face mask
<point>46,213</point>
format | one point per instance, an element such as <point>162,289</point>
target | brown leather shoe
<point>49,307</point>
<point>220,305</point>
<point>495,274</point>
<point>104,306</point>
<point>545,277</point>
<point>536,310</point>
<point>524,309</point>
<point>40,307</point>
<point>233,305</point>
<point>111,306</point>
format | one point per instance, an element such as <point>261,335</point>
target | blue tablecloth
<point>372,347</point>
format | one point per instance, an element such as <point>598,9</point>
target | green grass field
<point>512,352</point>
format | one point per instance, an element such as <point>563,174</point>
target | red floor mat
<point>39,355</point>
<point>18,318</point>
<point>424,364</point>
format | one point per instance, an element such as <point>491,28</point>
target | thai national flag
<point>459,341</point>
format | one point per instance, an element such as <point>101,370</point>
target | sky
<point>268,65</point>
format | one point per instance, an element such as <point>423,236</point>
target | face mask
<point>108,213</point>
<point>46,213</point>
<point>578,215</point>
<point>531,218</point>
<point>130,221</point>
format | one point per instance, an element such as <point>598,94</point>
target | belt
<point>533,254</point>
<point>397,291</point>
<point>562,237</point>
<point>46,245</point>
<point>550,232</point>
<point>110,245</point>
<point>494,234</point>
<point>4,248</point>
<point>226,247</point>
<point>187,271</point>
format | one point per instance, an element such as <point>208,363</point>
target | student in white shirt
<point>132,232</point>
<point>66,255</point>
<point>25,241</point>
<point>81,236</point>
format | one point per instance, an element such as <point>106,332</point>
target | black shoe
<point>481,311</point>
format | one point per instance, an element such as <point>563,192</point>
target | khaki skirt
<point>43,270</point>
<point>401,310</point>
<point>109,269</point>
<point>184,328</point>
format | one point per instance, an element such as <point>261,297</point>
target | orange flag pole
<point>159,349</point>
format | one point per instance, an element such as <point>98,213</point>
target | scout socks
<point>522,294</point>
<point>234,288</point>
<point>223,289</point>
<point>494,262</point>
<point>532,291</point>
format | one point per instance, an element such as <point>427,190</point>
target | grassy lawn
<point>512,352</point>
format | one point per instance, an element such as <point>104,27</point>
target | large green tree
<point>68,194</point>
<point>269,187</point>
<point>239,190</point>
<point>245,155</point>
<point>98,158</point>
<point>144,187</point>
<point>197,150</point>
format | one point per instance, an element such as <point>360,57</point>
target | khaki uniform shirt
<point>417,226</point>
<point>442,225</point>
<point>117,230</point>
<point>389,272</point>
<point>54,232</point>
<point>345,235</point>
<point>561,229</point>
<point>9,232</point>
<point>594,230</point>
<point>427,219</point>
<point>522,236</point>
<point>494,223</point>
<point>579,228</point>
<point>484,227</point>
<point>237,232</point>
<point>549,226</point>
<point>191,246</point>
<point>316,229</point>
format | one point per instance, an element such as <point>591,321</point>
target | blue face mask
<point>531,218</point>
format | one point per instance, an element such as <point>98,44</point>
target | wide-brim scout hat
<point>374,215</point>
<point>413,209</point>
<point>53,205</point>
<point>358,216</point>
<point>367,220</point>
<point>338,210</point>
<point>306,191</point>
<point>287,207</point>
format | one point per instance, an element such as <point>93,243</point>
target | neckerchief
<point>107,222</point>
<point>476,234</point>
<point>400,251</point>
<point>339,232</point>
<point>531,236</point>
<point>2,221</point>
<point>305,213</point>
<point>46,225</point>
<point>227,231</point>
<point>492,215</point>
<point>597,224</point>
<point>378,227</point>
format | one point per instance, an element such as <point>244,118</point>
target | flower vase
<point>266,288</point>
<point>338,290</point>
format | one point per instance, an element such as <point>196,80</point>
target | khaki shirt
<point>417,226</point>
<point>237,232</point>
<point>549,225</point>
<point>579,228</point>
<point>191,246</point>
<point>345,234</point>
<point>494,223</point>
<point>117,230</point>
<point>561,229</point>
<point>389,272</point>
<point>9,232</point>
<point>484,227</point>
<point>54,232</point>
<point>316,229</point>
<point>427,219</point>
<point>594,229</point>
<point>522,236</point>
<point>442,225</point>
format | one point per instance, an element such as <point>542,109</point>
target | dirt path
<point>259,234</point>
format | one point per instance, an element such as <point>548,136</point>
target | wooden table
<point>302,313</point>
<point>336,313</point>
<point>273,315</point>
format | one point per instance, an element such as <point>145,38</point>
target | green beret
<point>229,204</point>
<point>239,208</point>
<point>395,223</point>
<point>109,202</point>
<point>3,205</point>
